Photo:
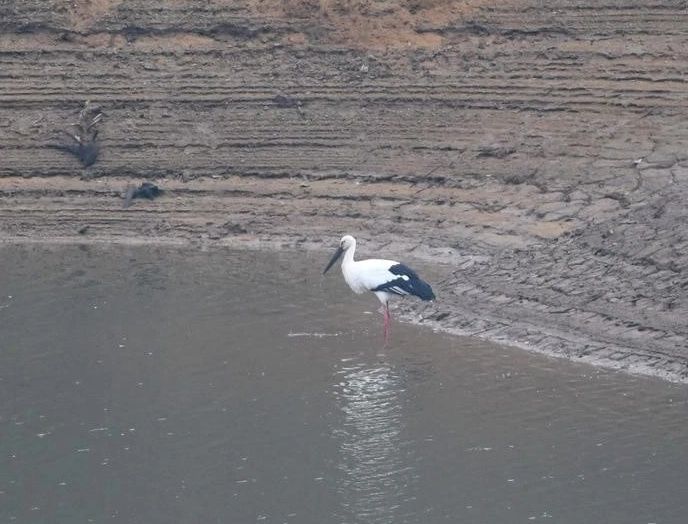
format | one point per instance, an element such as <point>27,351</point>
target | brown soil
<point>535,156</point>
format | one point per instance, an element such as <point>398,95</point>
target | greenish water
<point>149,385</point>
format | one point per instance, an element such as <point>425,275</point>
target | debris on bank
<point>288,102</point>
<point>84,135</point>
<point>145,190</point>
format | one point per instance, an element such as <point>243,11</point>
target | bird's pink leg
<point>387,322</point>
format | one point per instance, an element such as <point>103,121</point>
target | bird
<point>385,278</point>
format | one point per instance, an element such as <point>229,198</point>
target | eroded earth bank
<point>535,158</point>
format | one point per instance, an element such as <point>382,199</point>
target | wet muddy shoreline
<point>534,161</point>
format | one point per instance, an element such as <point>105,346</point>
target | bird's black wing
<point>407,282</point>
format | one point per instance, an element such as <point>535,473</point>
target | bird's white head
<point>347,242</point>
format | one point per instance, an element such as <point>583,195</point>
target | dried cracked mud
<point>535,157</point>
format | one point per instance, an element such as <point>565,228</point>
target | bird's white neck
<point>349,255</point>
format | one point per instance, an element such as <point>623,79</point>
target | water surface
<point>151,385</point>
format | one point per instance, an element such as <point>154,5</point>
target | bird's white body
<point>366,275</point>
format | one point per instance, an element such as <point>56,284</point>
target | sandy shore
<point>534,162</point>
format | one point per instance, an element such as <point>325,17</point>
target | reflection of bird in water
<point>385,278</point>
<point>145,190</point>
<point>377,473</point>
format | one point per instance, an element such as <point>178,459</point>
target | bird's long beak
<point>334,258</point>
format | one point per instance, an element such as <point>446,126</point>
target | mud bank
<point>534,159</point>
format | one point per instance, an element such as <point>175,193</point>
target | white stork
<point>385,278</point>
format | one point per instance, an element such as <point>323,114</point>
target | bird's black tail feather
<point>408,283</point>
<point>422,290</point>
